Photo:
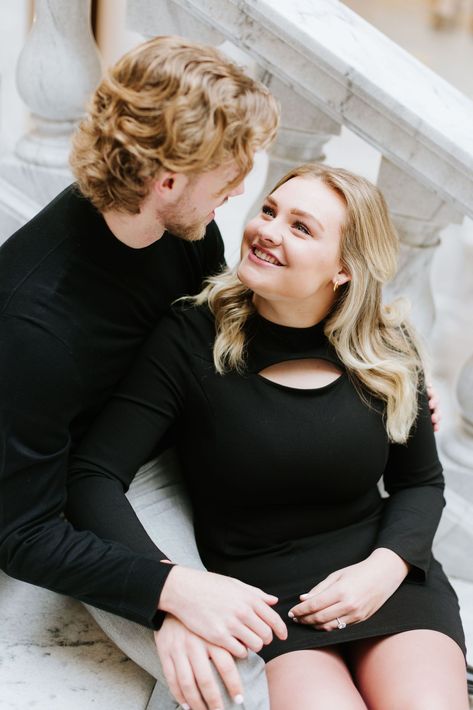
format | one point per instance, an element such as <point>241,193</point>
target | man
<point>170,136</point>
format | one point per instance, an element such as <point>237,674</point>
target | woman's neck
<point>294,315</point>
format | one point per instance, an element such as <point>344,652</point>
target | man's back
<point>75,306</point>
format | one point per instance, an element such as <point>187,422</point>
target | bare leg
<point>413,670</point>
<point>312,680</point>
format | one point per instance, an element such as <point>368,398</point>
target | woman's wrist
<point>391,560</point>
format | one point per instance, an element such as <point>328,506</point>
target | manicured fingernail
<point>238,700</point>
<point>303,596</point>
<point>185,706</point>
<point>290,615</point>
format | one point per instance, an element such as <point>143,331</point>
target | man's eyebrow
<point>298,213</point>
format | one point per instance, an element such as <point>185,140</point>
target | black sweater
<point>75,306</point>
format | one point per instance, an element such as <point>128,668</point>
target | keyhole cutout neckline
<point>272,348</point>
<point>302,374</point>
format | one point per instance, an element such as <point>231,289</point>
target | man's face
<point>189,215</point>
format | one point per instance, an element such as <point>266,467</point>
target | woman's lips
<point>261,256</point>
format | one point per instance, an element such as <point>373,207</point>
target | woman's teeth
<point>266,257</point>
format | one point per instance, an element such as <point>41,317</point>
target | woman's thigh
<point>412,670</point>
<point>312,680</point>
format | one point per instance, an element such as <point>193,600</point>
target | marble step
<point>53,655</point>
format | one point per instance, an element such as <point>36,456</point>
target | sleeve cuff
<point>142,590</point>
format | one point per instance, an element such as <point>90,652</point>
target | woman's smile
<point>258,254</point>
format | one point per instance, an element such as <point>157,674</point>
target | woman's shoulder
<point>194,318</point>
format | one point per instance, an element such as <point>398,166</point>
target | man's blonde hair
<point>168,104</point>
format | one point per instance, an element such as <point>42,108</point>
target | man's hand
<point>434,407</point>
<point>186,660</point>
<point>353,593</point>
<point>222,610</point>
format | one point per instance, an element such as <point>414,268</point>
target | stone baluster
<point>57,70</point>
<point>419,215</point>
<point>455,538</point>
<point>303,133</point>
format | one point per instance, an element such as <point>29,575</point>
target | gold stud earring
<point>335,286</point>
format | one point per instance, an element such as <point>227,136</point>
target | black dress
<point>283,481</point>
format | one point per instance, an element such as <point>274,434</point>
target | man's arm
<point>40,393</point>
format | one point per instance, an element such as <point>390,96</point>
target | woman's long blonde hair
<point>376,343</point>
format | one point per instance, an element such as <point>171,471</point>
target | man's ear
<point>169,186</point>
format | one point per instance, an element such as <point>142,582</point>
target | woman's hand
<point>353,593</point>
<point>222,610</point>
<point>434,407</point>
<point>187,665</point>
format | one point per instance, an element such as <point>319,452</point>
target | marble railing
<point>328,68</point>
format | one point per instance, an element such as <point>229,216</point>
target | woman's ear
<point>342,277</point>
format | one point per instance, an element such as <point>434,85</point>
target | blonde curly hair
<point>168,104</point>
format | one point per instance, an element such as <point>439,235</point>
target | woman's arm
<point>413,478</point>
<point>221,609</point>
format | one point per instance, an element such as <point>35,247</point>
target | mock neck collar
<point>269,343</point>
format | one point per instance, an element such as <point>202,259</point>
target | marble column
<point>57,71</point>
<point>455,536</point>
<point>419,215</point>
<point>303,133</point>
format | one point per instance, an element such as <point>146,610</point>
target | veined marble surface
<point>53,656</point>
<point>359,77</point>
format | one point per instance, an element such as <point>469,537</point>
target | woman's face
<point>291,251</point>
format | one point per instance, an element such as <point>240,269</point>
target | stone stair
<point>53,655</point>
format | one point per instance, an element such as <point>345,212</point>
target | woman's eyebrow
<point>298,213</point>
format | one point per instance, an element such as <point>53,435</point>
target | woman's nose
<point>270,232</point>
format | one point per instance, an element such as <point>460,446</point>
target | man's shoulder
<point>52,214</point>
<point>38,251</point>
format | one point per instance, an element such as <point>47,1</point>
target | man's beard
<point>189,232</point>
<point>174,221</point>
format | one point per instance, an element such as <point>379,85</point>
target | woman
<point>293,391</point>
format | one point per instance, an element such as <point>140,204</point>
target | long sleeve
<point>40,392</point>
<point>414,481</point>
<point>123,437</point>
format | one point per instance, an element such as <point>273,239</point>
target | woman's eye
<point>267,210</point>
<point>301,227</point>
